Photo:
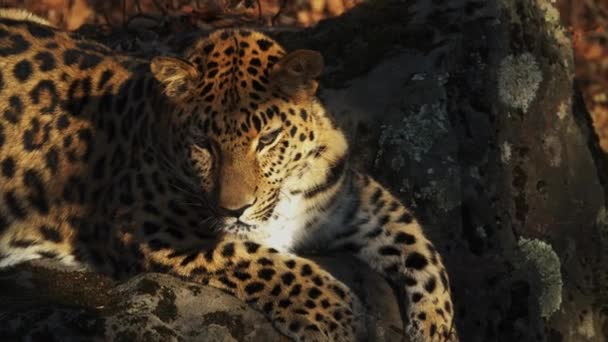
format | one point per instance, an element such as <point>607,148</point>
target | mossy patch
<point>519,78</point>
<point>539,259</point>
<point>417,132</point>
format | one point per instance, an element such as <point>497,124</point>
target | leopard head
<point>250,123</point>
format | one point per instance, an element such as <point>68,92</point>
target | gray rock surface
<point>46,302</point>
<point>466,109</point>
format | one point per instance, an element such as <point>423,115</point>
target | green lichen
<point>417,132</point>
<point>519,78</point>
<point>541,260</point>
<point>551,13</point>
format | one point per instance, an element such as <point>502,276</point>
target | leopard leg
<point>301,300</point>
<point>385,235</point>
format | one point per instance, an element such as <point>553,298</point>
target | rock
<point>43,301</point>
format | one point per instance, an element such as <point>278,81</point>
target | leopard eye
<point>203,143</point>
<point>268,139</point>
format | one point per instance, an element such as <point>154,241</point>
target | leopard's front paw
<point>429,323</point>
<point>317,307</point>
<point>332,325</point>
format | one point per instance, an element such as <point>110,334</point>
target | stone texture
<point>47,302</point>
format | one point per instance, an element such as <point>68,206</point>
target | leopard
<point>218,165</point>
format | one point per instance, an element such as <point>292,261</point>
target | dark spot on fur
<point>266,273</point>
<point>416,261</point>
<point>264,44</point>
<point>16,46</point>
<point>306,270</point>
<point>284,303</point>
<point>37,194</point>
<point>188,259</point>
<point>294,326</point>
<point>254,287</point>
<point>8,167</point>
<point>89,61</point>
<point>288,278</point>
<point>14,206</point>
<point>389,251</point>
<point>406,218</point>
<point>431,284</point>
<point>46,61</point>
<point>374,233</point>
<point>409,281</point>
<point>15,109</point>
<point>50,234</point>
<point>228,250</point>
<point>22,70</point>
<point>52,160</point>
<point>227,282</point>
<point>105,77</point>
<point>39,31</point>
<point>314,293</point>
<point>405,238</point>
<point>265,262</point>
<point>45,90</point>
<point>251,247</point>
<point>71,56</point>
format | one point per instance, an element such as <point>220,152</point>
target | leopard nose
<point>234,212</point>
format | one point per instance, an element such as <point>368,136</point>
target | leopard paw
<point>335,321</point>
<point>430,326</point>
<point>316,307</point>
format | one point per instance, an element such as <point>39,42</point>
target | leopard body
<point>219,167</point>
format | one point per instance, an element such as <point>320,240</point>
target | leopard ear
<point>295,74</point>
<point>177,75</point>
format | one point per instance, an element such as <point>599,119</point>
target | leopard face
<point>252,128</point>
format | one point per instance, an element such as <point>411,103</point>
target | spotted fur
<point>218,167</point>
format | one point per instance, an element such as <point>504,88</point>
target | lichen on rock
<point>519,78</point>
<point>505,152</point>
<point>417,132</point>
<point>539,259</point>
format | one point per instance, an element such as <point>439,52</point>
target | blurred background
<point>586,21</point>
<point>71,14</point>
